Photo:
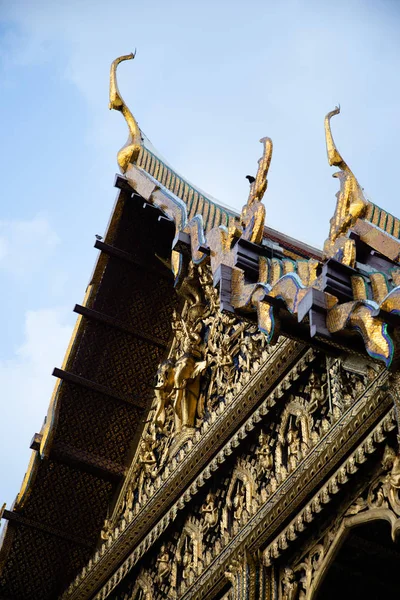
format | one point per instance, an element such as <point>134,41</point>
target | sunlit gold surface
<point>351,204</point>
<point>361,317</point>
<point>129,152</point>
<point>253,213</point>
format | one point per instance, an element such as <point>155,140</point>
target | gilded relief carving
<point>143,589</point>
<point>384,492</point>
<point>163,565</point>
<point>265,461</point>
<point>380,500</point>
<point>209,511</point>
<point>296,582</point>
<point>234,500</point>
<point>212,356</point>
<point>178,380</point>
<point>188,560</point>
<point>241,499</point>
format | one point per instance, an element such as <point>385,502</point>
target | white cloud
<point>26,385</point>
<point>26,245</point>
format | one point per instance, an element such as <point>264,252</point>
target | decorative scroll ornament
<point>351,204</point>
<point>130,152</point>
<point>380,501</point>
<point>383,493</point>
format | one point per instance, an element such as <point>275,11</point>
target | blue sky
<point>209,80</point>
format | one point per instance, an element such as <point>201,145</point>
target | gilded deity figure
<point>315,389</point>
<point>294,450</point>
<point>391,481</point>
<point>178,385</point>
<point>187,560</point>
<point>210,513</point>
<point>238,502</point>
<point>264,457</point>
<point>147,463</point>
<point>163,565</point>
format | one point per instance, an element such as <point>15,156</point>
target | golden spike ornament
<point>250,224</point>
<point>351,204</point>
<point>252,217</point>
<point>130,152</point>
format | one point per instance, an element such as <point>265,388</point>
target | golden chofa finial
<point>130,152</point>
<point>252,217</point>
<point>350,206</point>
<point>259,185</point>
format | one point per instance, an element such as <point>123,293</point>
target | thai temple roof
<point>326,298</point>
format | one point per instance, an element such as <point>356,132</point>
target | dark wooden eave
<point>101,402</point>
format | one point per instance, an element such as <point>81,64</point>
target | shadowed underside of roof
<point>81,455</point>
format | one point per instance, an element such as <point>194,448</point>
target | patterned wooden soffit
<point>81,455</point>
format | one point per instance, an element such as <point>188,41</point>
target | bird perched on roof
<point>250,178</point>
<point>98,237</point>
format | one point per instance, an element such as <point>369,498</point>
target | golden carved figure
<point>293,448</point>
<point>351,204</point>
<point>315,389</point>
<point>263,452</point>
<point>163,565</point>
<point>178,378</point>
<point>241,498</point>
<point>289,585</point>
<point>391,484</point>
<point>147,464</point>
<point>187,559</point>
<point>178,385</point>
<point>210,513</point>
<point>238,502</point>
<point>130,151</point>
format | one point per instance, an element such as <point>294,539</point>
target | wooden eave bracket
<point>136,401</point>
<point>20,520</point>
<point>83,461</point>
<point>94,315</point>
<point>314,305</point>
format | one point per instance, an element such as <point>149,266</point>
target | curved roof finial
<point>258,187</point>
<point>334,157</point>
<point>252,217</point>
<point>129,152</point>
<point>351,204</point>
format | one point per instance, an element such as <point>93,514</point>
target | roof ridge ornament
<point>130,151</point>
<point>252,217</point>
<point>351,203</point>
